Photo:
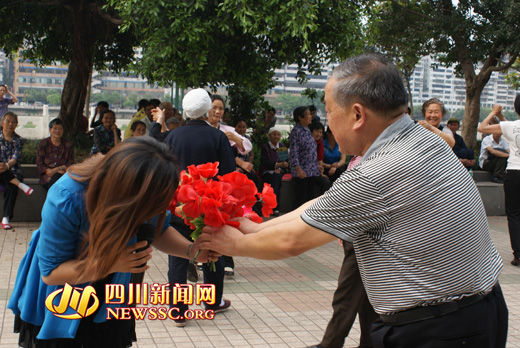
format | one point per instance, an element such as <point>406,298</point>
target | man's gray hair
<point>371,80</point>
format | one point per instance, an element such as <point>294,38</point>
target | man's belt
<point>420,313</point>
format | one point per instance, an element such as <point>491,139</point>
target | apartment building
<point>432,80</point>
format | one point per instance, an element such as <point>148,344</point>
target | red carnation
<point>208,170</point>
<point>268,200</point>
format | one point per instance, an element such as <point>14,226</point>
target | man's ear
<point>360,115</point>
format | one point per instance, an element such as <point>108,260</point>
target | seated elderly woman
<point>270,164</point>
<point>11,145</point>
<point>106,135</point>
<point>54,156</point>
<point>433,111</point>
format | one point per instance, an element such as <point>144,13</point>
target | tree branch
<point>105,16</point>
<point>505,66</point>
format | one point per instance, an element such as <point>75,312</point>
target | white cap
<point>196,103</point>
<point>274,129</point>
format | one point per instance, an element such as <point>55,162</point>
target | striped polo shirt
<point>416,219</point>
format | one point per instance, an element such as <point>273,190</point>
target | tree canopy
<point>479,37</point>
<point>82,33</point>
<point>238,42</point>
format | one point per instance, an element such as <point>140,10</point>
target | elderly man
<point>434,282</point>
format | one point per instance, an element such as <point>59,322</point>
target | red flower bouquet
<point>202,200</point>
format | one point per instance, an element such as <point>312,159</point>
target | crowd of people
<point>410,276</point>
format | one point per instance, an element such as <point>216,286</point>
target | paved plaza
<point>274,303</point>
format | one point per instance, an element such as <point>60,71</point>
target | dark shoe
<point>229,271</point>
<point>193,275</point>
<point>515,262</point>
<point>315,346</point>
<point>218,309</point>
<point>180,322</point>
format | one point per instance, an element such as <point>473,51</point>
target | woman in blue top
<point>334,162</point>
<point>88,236</point>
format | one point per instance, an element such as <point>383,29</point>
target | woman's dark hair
<point>299,112</point>
<point>134,125</point>
<point>103,104</point>
<point>218,97</point>
<point>517,104</point>
<point>316,125</point>
<point>55,122</point>
<point>121,185</point>
<point>155,102</point>
<point>142,104</point>
<point>107,111</point>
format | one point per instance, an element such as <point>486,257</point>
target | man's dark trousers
<point>496,166</point>
<point>349,300</point>
<point>512,197</point>
<point>177,267</point>
<point>480,325</point>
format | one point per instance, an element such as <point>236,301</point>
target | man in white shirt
<point>494,152</point>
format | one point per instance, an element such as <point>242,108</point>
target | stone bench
<point>492,194</point>
<point>28,208</point>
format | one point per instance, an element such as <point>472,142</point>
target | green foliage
<point>29,150</point>
<point>288,102</point>
<point>81,33</point>
<point>238,43</point>
<point>314,95</point>
<point>32,95</point>
<point>246,104</point>
<point>50,27</point>
<point>29,125</point>
<point>54,99</point>
<point>513,76</point>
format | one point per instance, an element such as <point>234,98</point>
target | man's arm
<point>13,97</point>
<point>276,239</point>
<point>497,153</point>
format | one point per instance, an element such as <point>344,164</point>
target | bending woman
<point>88,236</point>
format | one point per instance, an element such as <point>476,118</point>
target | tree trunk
<point>472,113</point>
<point>410,102</point>
<point>76,83</point>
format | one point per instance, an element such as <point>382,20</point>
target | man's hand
<point>223,240</point>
